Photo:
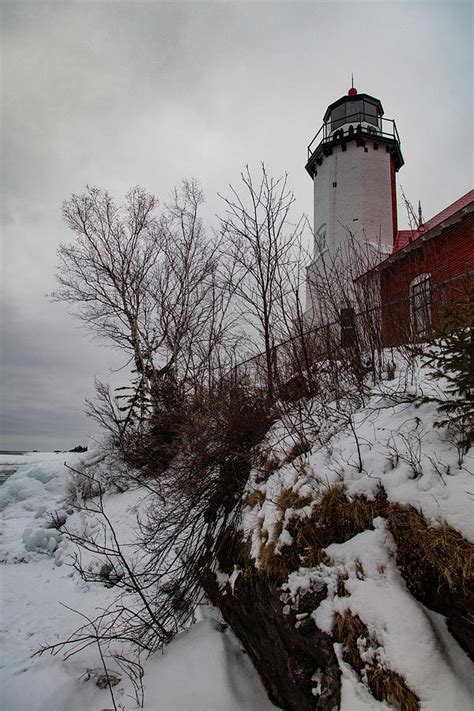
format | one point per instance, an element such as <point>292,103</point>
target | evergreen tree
<point>452,359</point>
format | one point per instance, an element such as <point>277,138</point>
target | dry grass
<point>263,535</point>
<point>256,498</point>
<point>289,499</point>
<point>437,563</point>
<point>334,519</point>
<point>385,684</point>
<point>348,629</point>
<point>298,449</point>
<point>342,517</point>
<point>341,588</point>
<point>267,463</point>
<point>427,555</point>
<point>241,551</point>
<point>275,566</point>
<point>440,555</point>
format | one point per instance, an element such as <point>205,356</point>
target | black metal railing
<point>369,329</point>
<point>353,124</point>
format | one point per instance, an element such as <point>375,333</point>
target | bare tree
<point>195,309</point>
<point>146,283</point>
<point>262,248</point>
<point>107,271</point>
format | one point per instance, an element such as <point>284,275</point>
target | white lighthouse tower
<point>352,161</point>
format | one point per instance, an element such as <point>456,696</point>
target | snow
<point>218,675</point>
<point>204,668</point>
<point>413,641</point>
<point>41,539</point>
<point>28,499</point>
<point>417,464</point>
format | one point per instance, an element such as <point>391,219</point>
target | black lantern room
<point>354,108</point>
<point>354,117</point>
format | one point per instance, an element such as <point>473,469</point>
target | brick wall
<point>448,255</point>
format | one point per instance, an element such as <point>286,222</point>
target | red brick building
<point>425,271</point>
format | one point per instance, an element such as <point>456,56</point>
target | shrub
<point>452,359</point>
<point>217,439</point>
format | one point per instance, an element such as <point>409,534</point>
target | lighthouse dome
<point>353,108</point>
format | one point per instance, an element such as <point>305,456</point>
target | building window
<point>420,304</point>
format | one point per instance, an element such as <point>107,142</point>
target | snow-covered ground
<point>400,448</point>
<point>203,669</point>
<point>417,464</point>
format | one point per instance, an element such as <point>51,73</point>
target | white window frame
<point>420,304</point>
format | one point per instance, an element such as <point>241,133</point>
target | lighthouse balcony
<point>359,127</point>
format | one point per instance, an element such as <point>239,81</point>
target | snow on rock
<point>414,642</point>
<point>354,695</point>
<point>409,640</point>
<point>417,464</point>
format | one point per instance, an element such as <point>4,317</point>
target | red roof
<point>405,237</point>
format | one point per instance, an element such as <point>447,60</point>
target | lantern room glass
<point>357,111</point>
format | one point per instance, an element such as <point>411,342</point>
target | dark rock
<point>286,656</point>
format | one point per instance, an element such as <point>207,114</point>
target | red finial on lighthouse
<point>352,91</point>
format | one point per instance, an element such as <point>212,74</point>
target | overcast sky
<point>122,93</point>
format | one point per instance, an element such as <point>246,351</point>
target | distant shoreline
<point>15,451</point>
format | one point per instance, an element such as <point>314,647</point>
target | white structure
<point>352,162</point>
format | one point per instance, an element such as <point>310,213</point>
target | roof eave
<point>420,240</point>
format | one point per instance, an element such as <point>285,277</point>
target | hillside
<point>340,564</point>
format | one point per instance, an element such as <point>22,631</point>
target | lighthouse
<point>352,162</point>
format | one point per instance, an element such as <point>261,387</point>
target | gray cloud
<point>119,93</point>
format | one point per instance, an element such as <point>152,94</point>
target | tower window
<point>420,304</point>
